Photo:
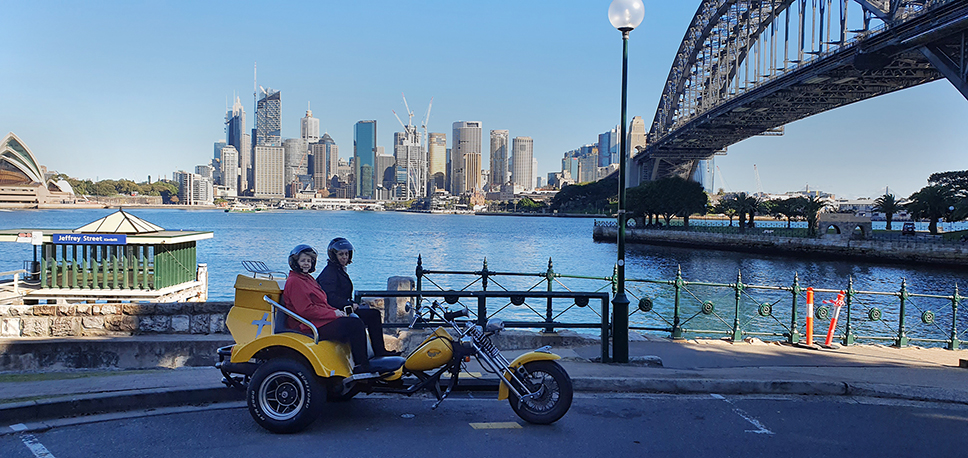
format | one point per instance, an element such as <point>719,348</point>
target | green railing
<point>681,308</point>
<point>117,267</point>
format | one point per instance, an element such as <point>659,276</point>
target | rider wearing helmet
<point>304,297</point>
<point>339,290</point>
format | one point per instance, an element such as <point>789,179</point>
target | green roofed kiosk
<point>117,258</point>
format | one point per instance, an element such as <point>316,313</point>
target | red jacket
<point>304,296</point>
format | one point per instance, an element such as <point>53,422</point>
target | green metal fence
<point>680,308</point>
<point>117,267</point>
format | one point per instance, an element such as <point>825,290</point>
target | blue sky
<point>128,89</point>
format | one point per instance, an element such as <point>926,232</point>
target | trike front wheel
<point>554,393</point>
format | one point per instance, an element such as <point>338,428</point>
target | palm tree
<point>726,206</point>
<point>887,205</point>
<point>785,208</point>
<point>811,207</point>
<point>746,205</point>
<point>932,202</point>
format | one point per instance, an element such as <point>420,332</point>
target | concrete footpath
<point>657,366</point>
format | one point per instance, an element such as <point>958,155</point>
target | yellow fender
<point>328,358</point>
<point>502,391</point>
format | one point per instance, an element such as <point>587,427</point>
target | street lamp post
<point>625,15</point>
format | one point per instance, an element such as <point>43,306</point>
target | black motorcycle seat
<point>386,363</point>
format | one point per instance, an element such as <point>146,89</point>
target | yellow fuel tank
<point>435,351</point>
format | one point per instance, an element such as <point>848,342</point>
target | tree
<point>811,208</point>
<point>887,205</point>
<point>785,208</point>
<point>726,206</point>
<point>668,197</point>
<point>933,203</point>
<point>746,205</point>
<point>597,197</point>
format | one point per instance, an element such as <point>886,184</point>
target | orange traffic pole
<point>810,316</point>
<point>833,321</point>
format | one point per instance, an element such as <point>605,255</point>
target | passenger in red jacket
<point>303,296</point>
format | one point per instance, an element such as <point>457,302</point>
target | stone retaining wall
<point>877,250</point>
<point>113,319</point>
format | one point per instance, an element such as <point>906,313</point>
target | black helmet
<point>338,244</point>
<point>294,256</point>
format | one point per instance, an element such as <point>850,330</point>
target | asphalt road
<point>477,425</point>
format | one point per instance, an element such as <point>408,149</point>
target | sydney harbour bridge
<point>748,67</point>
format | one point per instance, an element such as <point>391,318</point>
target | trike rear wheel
<point>284,396</point>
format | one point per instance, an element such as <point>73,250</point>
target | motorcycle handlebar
<point>449,316</point>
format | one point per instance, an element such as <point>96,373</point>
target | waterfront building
<point>364,157</point>
<point>499,159</point>
<point>270,162</point>
<point>473,167</point>
<point>410,157</point>
<point>385,180</point>
<point>522,155</point>
<point>309,127</point>
<point>344,170</point>
<point>229,172</point>
<point>705,174</point>
<point>296,151</point>
<point>206,171</point>
<point>24,182</point>
<point>325,158</point>
<point>436,160</point>
<point>588,163</point>
<point>608,144</point>
<point>193,188</point>
<point>466,140</point>
<point>268,119</point>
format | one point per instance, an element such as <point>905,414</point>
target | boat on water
<point>239,207</point>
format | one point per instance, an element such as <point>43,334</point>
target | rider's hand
<point>340,314</point>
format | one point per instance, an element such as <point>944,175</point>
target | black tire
<point>555,398</point>
<point>333,393</point>
<point>284,396</point>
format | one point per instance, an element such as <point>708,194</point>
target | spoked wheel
<point>554,393</point>
<point>284,396</point>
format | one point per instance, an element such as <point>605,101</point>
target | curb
<point>21,412</point>
<point>32,411</point>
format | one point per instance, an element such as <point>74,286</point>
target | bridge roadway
<point>905,52</point>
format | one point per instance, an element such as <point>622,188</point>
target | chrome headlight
<point>495,325</point>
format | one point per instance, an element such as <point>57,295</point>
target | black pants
<point>351,330</point>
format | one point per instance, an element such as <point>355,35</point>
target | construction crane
<point>414,161</point>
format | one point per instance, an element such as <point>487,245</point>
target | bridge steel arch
<point>748,67</point>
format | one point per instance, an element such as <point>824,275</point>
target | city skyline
<point>138,90</point>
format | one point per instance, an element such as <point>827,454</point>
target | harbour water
<point>388,243</point>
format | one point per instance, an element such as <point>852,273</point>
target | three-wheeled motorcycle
<point>288,375</point>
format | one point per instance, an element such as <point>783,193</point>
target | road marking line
<point>760,428</point>
<point>35,446</point>
<point>497,425</point>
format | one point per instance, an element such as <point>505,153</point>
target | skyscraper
<point>229,172</point>
<point>499,158</point>
<point>296,152</point>
<point>237,136</point>
<point>268,119</point>
<point>325,156</point>
<point>309,128</point>
<point>364,155</point>
<point>270,162</point>
<point>466,140</point>
<point>521,158</point>
<point>437,160</point>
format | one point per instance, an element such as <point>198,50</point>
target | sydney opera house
<point>24,182</point>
